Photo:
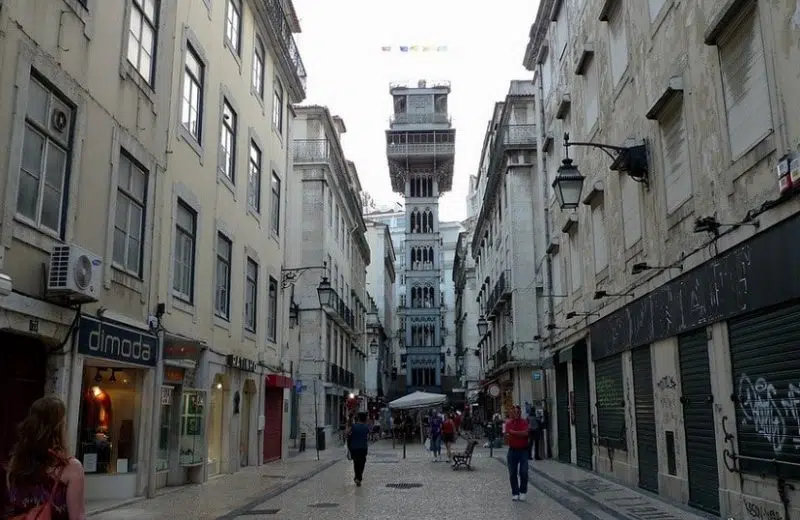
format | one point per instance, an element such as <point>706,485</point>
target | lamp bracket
<point>631,160</point>
<point>290,276</point>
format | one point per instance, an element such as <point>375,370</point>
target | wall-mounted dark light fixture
<point>373,346</point>
<point>290,276</point>
<point>483,326</point>
<point>641,267</point>
<point>553,326</point>
<point>711,225</point>
<point>572,314</point>
<point>630,160</point>
<point>325,292</point>
<point>448,351</point>
<point>599,295</point>
<point>568,183</point>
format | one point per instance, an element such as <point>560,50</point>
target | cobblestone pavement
<point>303,487</point>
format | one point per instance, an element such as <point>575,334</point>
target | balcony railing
<point>281,27</point>
<point>501,291</point>
<point>519,135</point>
<point>420,119</point>
<point>333,373</point>
<point>341,313</point>
<point>312,150</point>
<point>394,149</point>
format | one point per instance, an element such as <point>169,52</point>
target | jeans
<point>517,460</point>
<point>436,444</point>
<point>359,461</point>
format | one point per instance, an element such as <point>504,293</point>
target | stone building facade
<point>678,310</point>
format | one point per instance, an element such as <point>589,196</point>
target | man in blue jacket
<point>358,444</point>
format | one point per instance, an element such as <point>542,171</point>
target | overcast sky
<point>341,45</point>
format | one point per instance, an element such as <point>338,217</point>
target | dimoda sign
<point>116,342</point>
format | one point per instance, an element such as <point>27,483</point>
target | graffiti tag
<point>761,512</point>
<point>667,383</point>
<point>775,419</point>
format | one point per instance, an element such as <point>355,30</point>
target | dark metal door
<point>646,447</point>
<point>766,392</point>
<point>562,413</point>
<point>610,394</point>
<point>583,417</point>
<point>698,413</point>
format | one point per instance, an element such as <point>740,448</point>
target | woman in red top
<point>448,434</point>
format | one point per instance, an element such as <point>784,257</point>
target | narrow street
<point>397,488</point>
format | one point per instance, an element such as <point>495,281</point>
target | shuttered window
<point>631,211</point>
<point>675,149</point>
<point>599,238</point>
<point>590,94</point>
<point>547,74</point>
<point>562,33</point>
<point>576,269</point>
<point>744,73</point>
<point>617,41</point>
<point>558,285</point>
<point>655,8</point>
<point>610,402</point>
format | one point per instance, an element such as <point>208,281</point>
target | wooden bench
<point>463,459</point>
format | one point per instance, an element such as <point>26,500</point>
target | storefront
<point>181,439</point>
<point>274,409</point>
<point>116,386</point>
<point>243,419</point>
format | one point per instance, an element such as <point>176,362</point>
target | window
<point>675,149</point>
<point>185,233</point>
<point>617,41</point>
<point>590,95</point>
<point>277,107</point>
<point>631,211</point>
<point>547,74</point>
<point>655,8</point>
<point>272,316</point>
<point>576,269</point>
<point>276,204</point>
<point>258,67</point>
<point>142,32</point>
<point>746,91</point>
<point>254,178</point>
<point>193,77</point>
<point>330,208</point>
<point>233,24</point>
<point>129,217</point>
<point>250,295</point>
<point>222,296</point>
<point>599,239</point>
<point>558,280</point>
<point>227,145</point>
<point>562,33</point>
<point>46,149</point>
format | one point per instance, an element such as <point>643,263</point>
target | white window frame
<point>126,198</point>
<point>251,295</point>
<point>275,204</point>
<point>182,265</point>
<point>272,310</point>
<point>143,26</point>
<point>278,95</point>
<point>233,25</point>
<point>42,126</point>
<point>222,277</point>
<point>255,160</point>
<point>192,97</point>
<point>259,66</point>
<point>747,123</point>
<point>227,145</point>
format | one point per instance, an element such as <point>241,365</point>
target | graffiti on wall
<point>668,400</point>
<point>761,512</point>
<point>667,383</point>
<point>774,415</point>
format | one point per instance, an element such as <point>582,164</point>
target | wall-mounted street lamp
<point>325,292</point>
<point>641,267</point>
<point>290,276</point>
<point>599,295</point>
<point>483,326</point>
<point>448,351</point>
<point>373,346</point>
<point>631,160</point>
<point>572,314</point>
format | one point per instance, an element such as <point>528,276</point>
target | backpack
<point>43,511</point>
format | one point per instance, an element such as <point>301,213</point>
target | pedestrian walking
<point>516,430</point>
<point>436,435</point>
<point>448,434</point>
<point>534,435</point>
<point>358,444</point>
<point>43,481</point>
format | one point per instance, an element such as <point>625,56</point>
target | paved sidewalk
<point>224,493</point>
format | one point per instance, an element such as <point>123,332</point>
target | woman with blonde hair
<point>42,479</point>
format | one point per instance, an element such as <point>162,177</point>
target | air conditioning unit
<point>75,275</point>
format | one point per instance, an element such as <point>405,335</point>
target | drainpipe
<point>155,416</point>
<point>548,265</point>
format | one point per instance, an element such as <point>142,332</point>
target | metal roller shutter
<point>766,385</point>
<point>698,413</point>
<point>273,424</point>
<point>583,417</point>
<point>562,413</point>
<point>646,445</point>
<point>608,385</point>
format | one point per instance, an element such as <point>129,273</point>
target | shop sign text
<point>110,341</point>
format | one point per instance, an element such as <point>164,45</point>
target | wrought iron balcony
<point>280,25</point>
<point>340,312</point>
<point>420,119</point>
<point>422,149</point>
<point>515,136</point>
<point>333,373</point>
<point>312,150</point>
<point>500,293</point>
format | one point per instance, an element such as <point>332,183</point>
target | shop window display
<point>167,395</point>
<point>109,413</point>
<point>192,417</point>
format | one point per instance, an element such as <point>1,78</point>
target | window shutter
<point>599,239</point>
<point>547,74</point>
<point>618,42</point>
<point>677,176</point>
<point>631,217</point>
<point>746,91</point>
<point>590,93</point>
<point>575,263</point>
<point>557,274</point>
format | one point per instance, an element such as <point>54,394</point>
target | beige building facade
<point>669,340</point>
<point>144,195</point>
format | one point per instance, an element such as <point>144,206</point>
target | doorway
<point>215,422</point>
<point>245,422</point>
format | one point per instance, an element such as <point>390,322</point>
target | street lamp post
<point>483,326</point>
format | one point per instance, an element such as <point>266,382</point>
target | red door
<point>273,424</point>
<point>22,375</point>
